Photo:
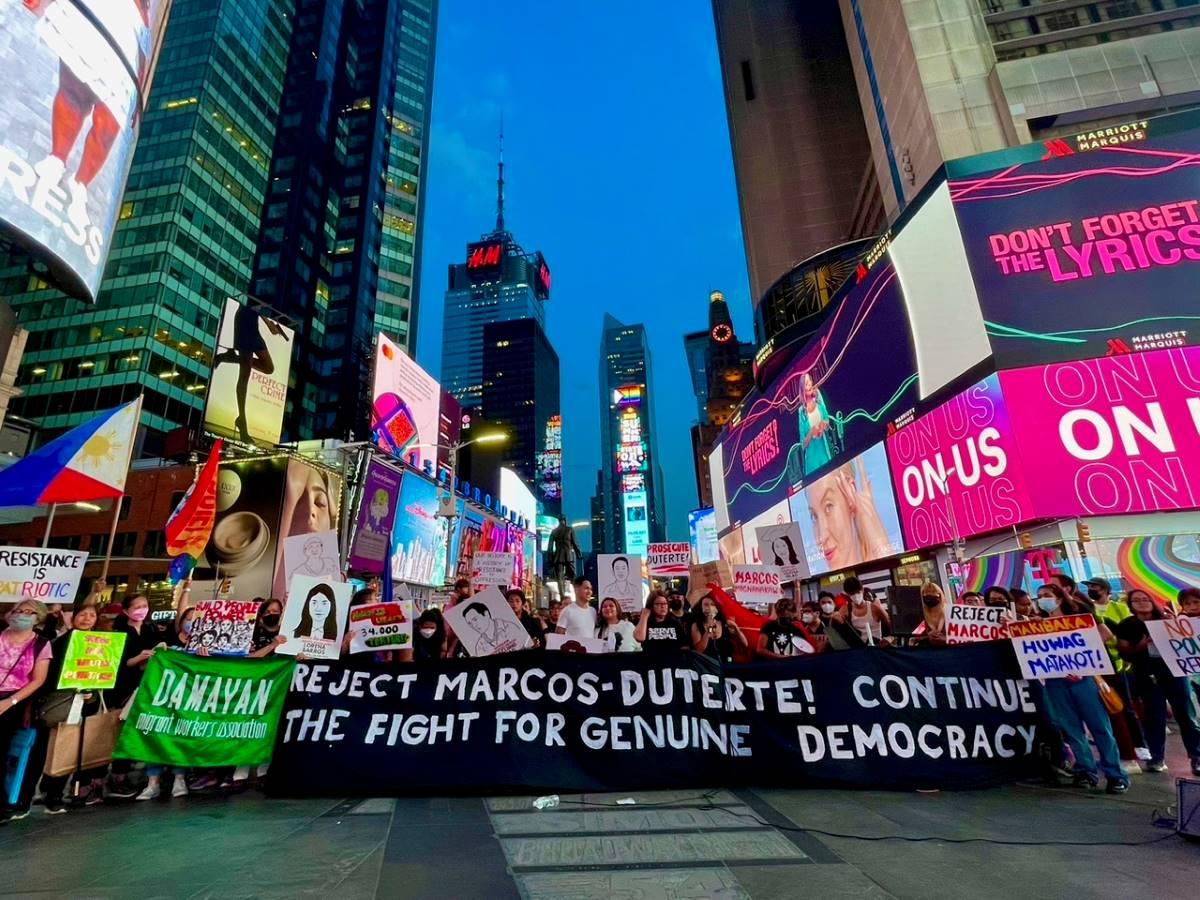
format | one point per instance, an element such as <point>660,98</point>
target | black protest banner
<point>953,718</point>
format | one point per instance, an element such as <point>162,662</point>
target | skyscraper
<point>521,397</point>
<point>631,483</point>
<point>341,228</point>
<point>279,160</point>
<point>186,233</point>
<point>725,377</point>
<point>800,150</point>
<point>497,282</point>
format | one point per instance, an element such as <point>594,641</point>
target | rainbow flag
<point>191,524</point>
<point>89,462</point>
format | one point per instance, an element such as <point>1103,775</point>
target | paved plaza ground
<point>670,845</point>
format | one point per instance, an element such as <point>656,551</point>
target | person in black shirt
<point>784,637</point>
<point>658,631</point>
<point>266,637</point>
<point>429,642</point>
<point>714,635</point>
<point>142,639</point>
<point>1155,685</point>
<point>516,600</point>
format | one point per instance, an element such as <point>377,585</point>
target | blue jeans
<point>1156,688</point>
<point>1073,705</point>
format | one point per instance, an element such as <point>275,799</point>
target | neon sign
<point>549,461</point>
<point>484,259</point>
<point>631,448</point>
<point>627,395</point>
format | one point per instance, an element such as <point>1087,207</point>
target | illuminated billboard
<point>631,445</point>
<point>549,461</point>
<point>847,516</point>
<point>541,277</point>
<point>1117,434</point>
<point>247,393</point>
<point>1079,255</point>
<point>702,530</point>
<point>956,469</point>
<point>418,534</point>
<point>485,260</point>
<point>75,76</point>
<point>637,524</point>
<point>515,494</point>
<point>405,405</point>
<point>779,514</point>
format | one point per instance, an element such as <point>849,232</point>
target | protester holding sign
<point>516,600</point>
<point>266,638</point>
<point>142,640</point>
<point>784,637</point>
<point>657,630</point>
<point>1155,685</point>
<point>24,664</point>
<point>429,643</point>
<point>54,705</point>
<point>1073,703</point>
<point>713,635</point>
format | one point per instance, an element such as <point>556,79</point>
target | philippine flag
<point>89,462</point>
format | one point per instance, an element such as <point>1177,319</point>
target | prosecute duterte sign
<point>955,718</point>
<point>670,558</point>
<point>1060,646</point>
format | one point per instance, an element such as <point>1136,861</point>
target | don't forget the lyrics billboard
<point>75,76</point>
<point>1089,253</point>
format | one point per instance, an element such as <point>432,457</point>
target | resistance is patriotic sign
<point>51,576</point>
<point>205,710</point>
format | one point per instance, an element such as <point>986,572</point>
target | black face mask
<point>930,601</point>
<point>271,620</point>
<point>1094,594</point>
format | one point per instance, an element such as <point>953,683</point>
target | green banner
<point>205,711</point>
<point>92,661</point>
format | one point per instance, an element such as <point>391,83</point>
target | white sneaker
<point>50,169</point>
<point>1130,767</point>
<point>180,788</point>
<point>1142,753</point>
<point>149,792</point>
<point>241,773</point>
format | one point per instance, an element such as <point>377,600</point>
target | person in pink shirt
<point>24,661</point>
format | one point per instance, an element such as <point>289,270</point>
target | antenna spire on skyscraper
<point>500,181</point>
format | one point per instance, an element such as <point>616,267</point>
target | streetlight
<point>447,507</point>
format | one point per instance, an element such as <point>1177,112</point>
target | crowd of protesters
<point>1124,715</point>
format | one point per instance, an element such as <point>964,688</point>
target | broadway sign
<point>956,718</point>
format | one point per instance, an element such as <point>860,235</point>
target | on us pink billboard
<point>956,470</point>
<point>1118,434</point>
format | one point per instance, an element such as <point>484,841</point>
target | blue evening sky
<point>618,168</point>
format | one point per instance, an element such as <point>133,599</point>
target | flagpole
<point>112,531</point>
<point>49,525</point>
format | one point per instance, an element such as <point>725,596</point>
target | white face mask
<point>807,618</point>
<point>428,632</point>
<point>858,599</point>
<point>827,607</point>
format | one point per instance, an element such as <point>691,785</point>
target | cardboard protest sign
<point>967,624</point>
<point>36,573</point>
<point>1178,642</point>
<point>620,577</point>
<point>205,711</point>
<point>756,587</point>
<point>381,626</point>
<point>783,547</point>
<point>568,644</point>
<point>1060,646</point>
<point>669,559</point>
<point>491,569</point>
<point>314,555</point>
<point>223,627</point>
<point>486,625</point>
<point>92,661</point>
<point>314,617</point>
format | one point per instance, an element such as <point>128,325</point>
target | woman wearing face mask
<point>609,624</point>
<point>429,642</point>
<point>713,635</point>
<point>179,637</point>
<point>180,634</point>
<point>24,664</point>
<point>266,637</point>
<point>142,639</point>
<point>932,631</point>
<point>1073,704</point>
<point>1155,685</point>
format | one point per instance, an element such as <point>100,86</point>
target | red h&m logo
<point>484,256</point>
<point>1056,147</point>
<point>1117,347</point>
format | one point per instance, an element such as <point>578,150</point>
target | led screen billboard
<point>702,530</point>
<point>956,469</point>
<point>247,393</point>
<point>834,399</point>
<point>418,535</point>
<point>847,516</point>
<point>1116,434</point>
<point>637,525</point>
<point>405,404</point>
<point>75,76</point>
<point>1077,255</point>
<point>517,496</point>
